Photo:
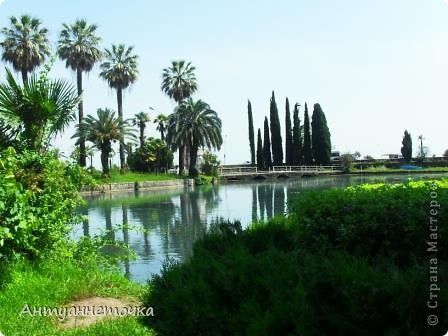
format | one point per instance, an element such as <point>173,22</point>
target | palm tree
<point>90,152</point>
<point>35,112</point>
<point>161,121</point>
<point>78,47</point>
<point>179,82</point>
<point>120,71</point>
<point>103,131</point>
<point>140,120</point>
<point>196,125</point>
<point>25,45</point>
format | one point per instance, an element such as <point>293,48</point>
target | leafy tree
<point>120,70</point>
<point>251,133</point>
<point>260,157</point>
<point>307,152</point>
<point>153,156</point>
<point>103,131</point>
<point>406,148</point>
<point>347,162</point>
<point>78,46</point>
<point>179,82</point>
<point>196,125</point>
<point>296,137</point>
<point>33,113</point>
<point>445,154</point>
<point>140,120</point>
<point>161,121</point>
<point>276,137</point>
<point>288,137</point>
<point>25,45</point>
<point>267,146</point>
<point>320,137</point>
<point>210,164</point>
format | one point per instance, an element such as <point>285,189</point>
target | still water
<point>166,223</point>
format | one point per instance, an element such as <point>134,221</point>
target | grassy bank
<point>55,282</point>
<point>135,177</point>
<point>385,170</point>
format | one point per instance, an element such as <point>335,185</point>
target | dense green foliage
<point>154,157</point>
<point>320,137</point>
<point>276,135</point>
<point>260,157</point>
<point>355,265</point>
<point>251,133</point>
<point>289,155</point>
<point>33,113</point>
<point>38,196</point>
<point>307,151</point>
<point>25,45</point>
<point>347,162</point>
<point>296,137</point>
<point>267,146</point>
<point>78,46</point>
<point>406,148</point>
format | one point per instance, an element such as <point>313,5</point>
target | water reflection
<point>170,221</point>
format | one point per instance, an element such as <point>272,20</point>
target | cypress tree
<point>289,155</point>
<point>307,153</point>
<point>406,149</point>
<point>251,133</point>
<point>260,158</point>
<point>296,137</point>
<point>320,136</point>
<point>276,137</point>
<point>267,146</point>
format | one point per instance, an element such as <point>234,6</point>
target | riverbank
<point>136,186</point>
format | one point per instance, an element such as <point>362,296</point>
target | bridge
<point>253,173</point>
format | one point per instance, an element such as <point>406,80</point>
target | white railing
<point>277,169</point>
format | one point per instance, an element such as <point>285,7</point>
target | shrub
<point>372,221</point>
<point>38,196</point>
<point>347,162</point>
<point>203,180</point>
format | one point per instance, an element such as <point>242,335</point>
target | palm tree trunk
<point>181,159</point>
<point>24,76</point>
<point>120,114</point>
<point>192,171</point>
<point>142,134</point>
<point>162,133</point>
<point>105,160</point>
<point>82,141</point>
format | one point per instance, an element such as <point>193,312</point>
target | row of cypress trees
<point>305,144</point>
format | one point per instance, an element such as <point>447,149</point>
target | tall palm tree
<point>103,131</point>
<point>36,111</point>
<point>140,120</point>
<point>197,125</point>
<point>78,47</point>
<point>25,45</point>
<point>179,83</point>
<point>161,121</point>
<point>120,70</point>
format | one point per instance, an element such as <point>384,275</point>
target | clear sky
<point>375,66</point>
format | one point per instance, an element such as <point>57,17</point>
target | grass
<point>383,169</point>
<point>53,283</point>
<point>135,177</point>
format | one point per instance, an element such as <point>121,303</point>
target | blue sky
<point>375,66</point>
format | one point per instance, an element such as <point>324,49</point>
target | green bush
<point>38,196</point>
<point>154,157</point>
<point>356,264</point>
<point>372,221</point>
<point>203,180</point>
<point>210,165</point>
